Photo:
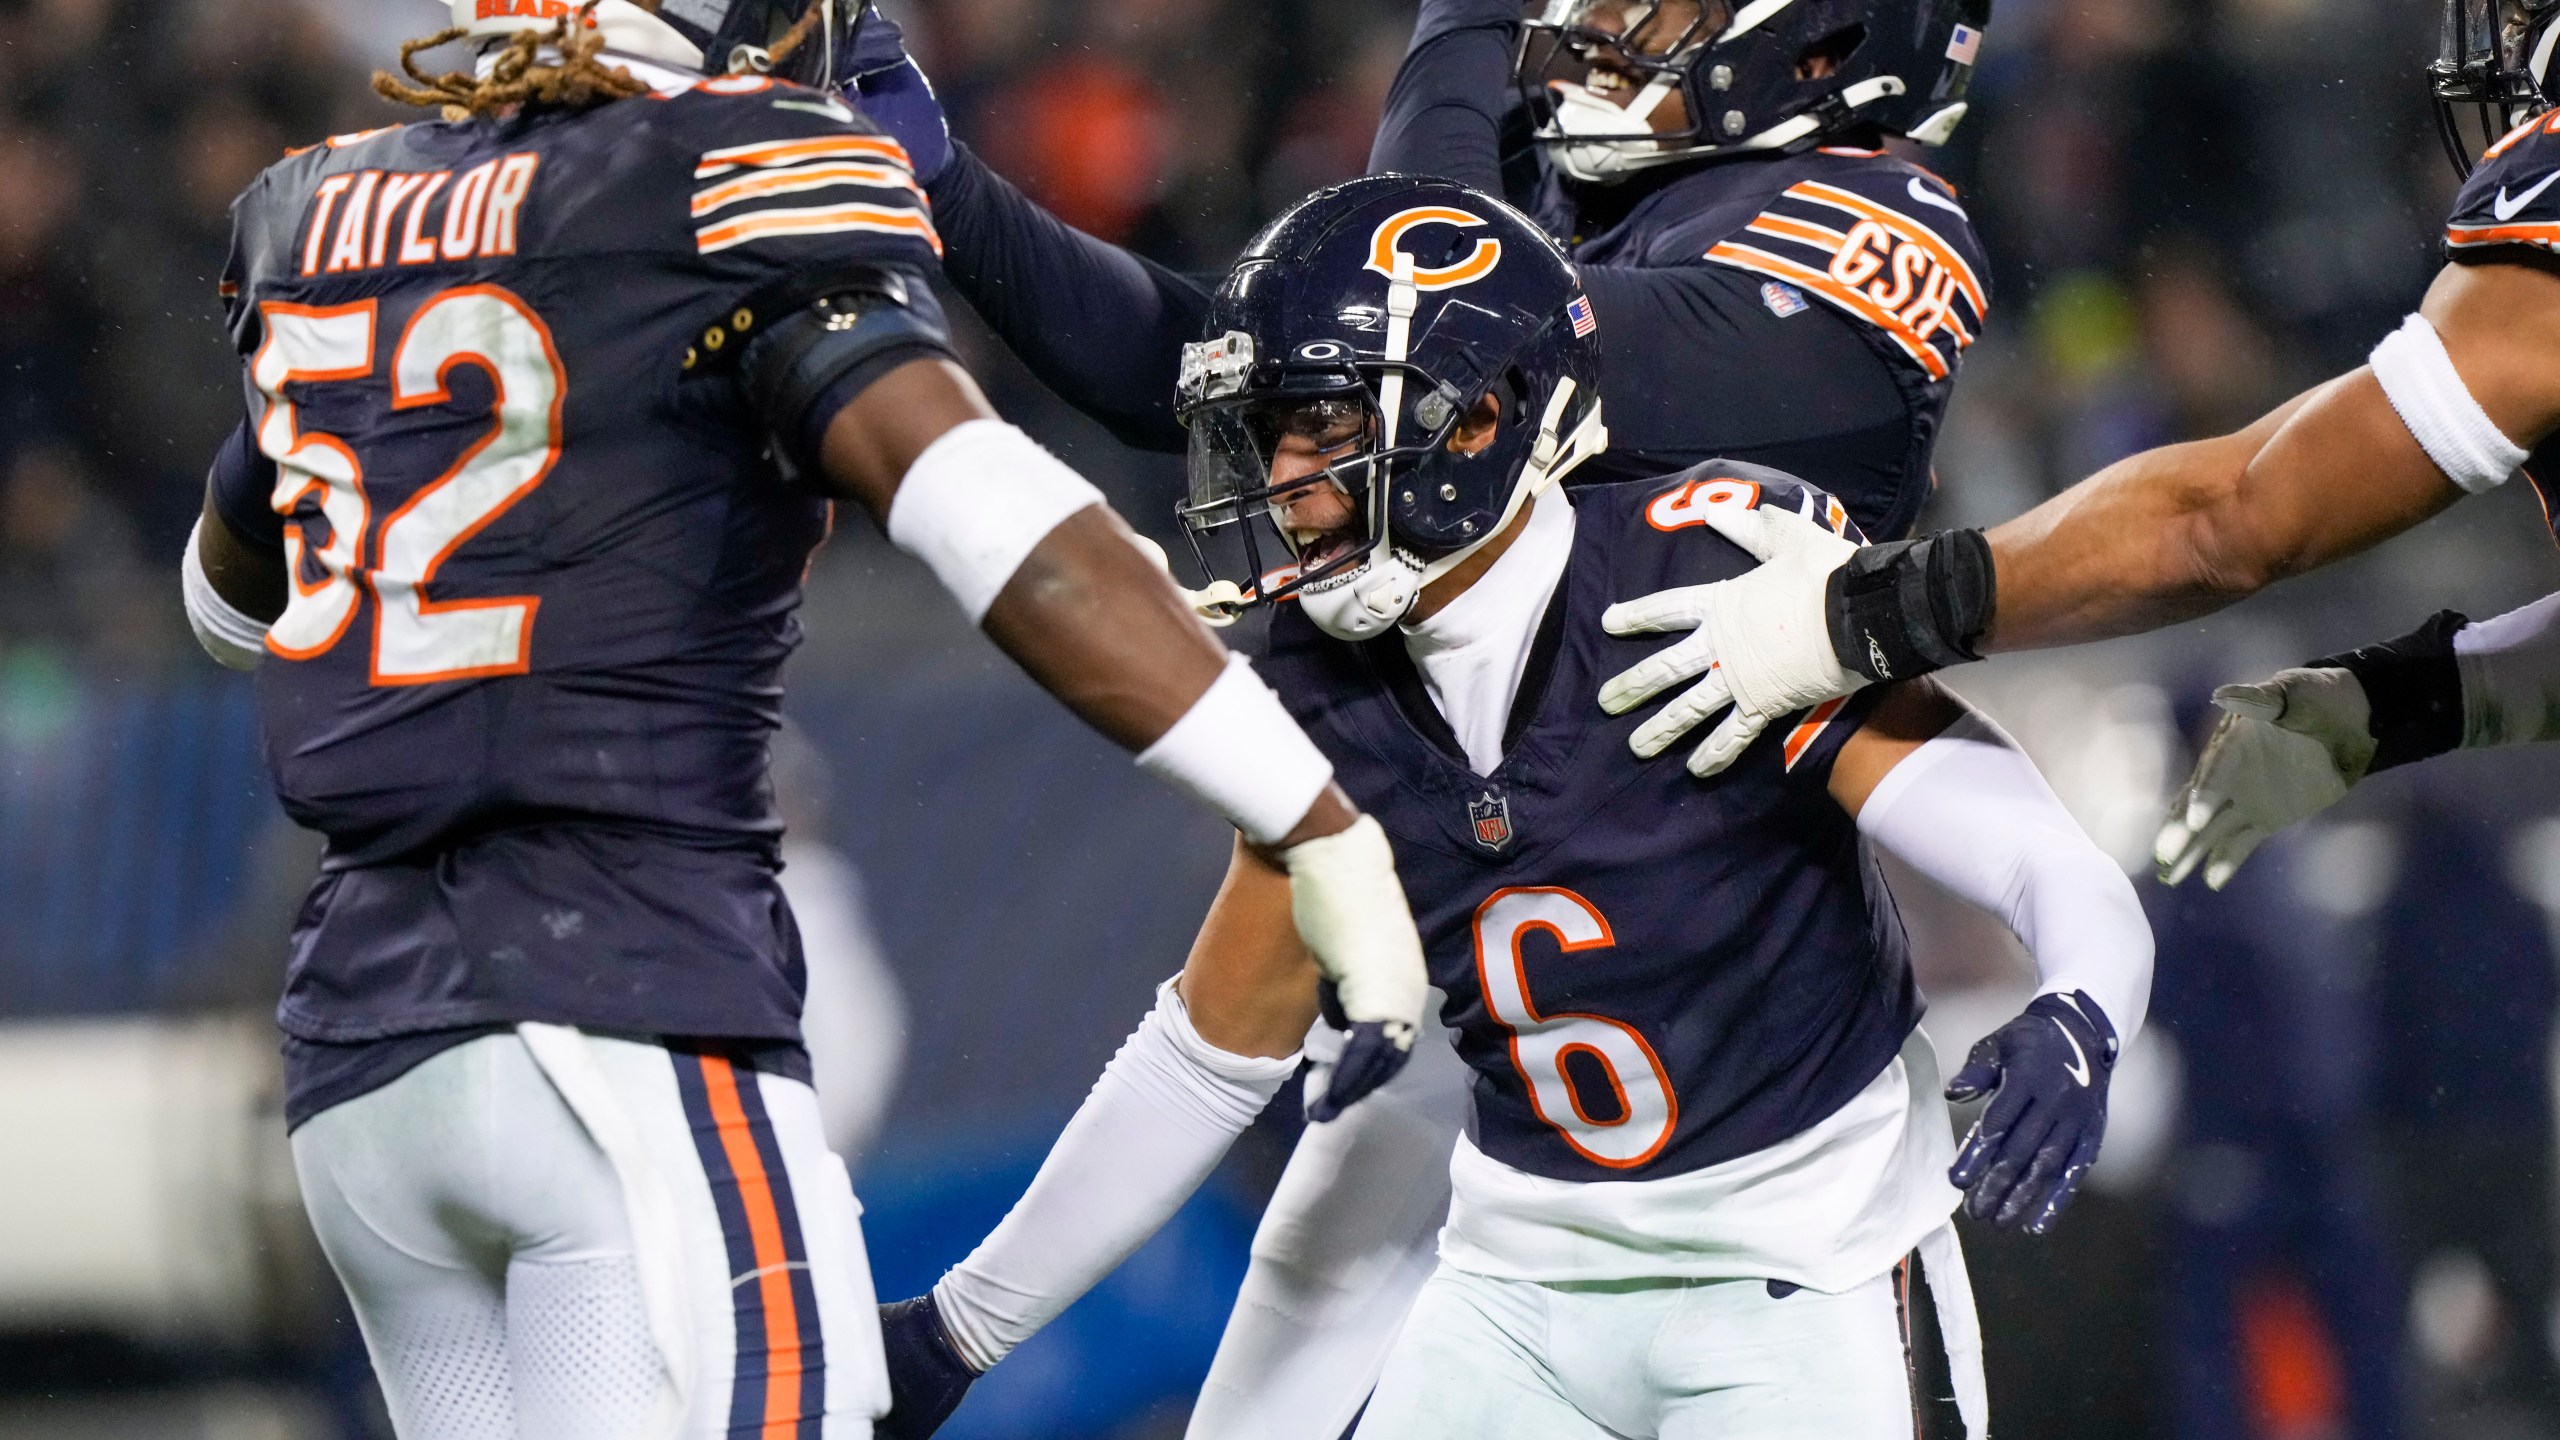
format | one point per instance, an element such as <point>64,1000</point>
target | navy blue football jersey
<point>1647,972</point>
<point>544,572</point>
<point>1880,242</point>
<point>2512,202</point>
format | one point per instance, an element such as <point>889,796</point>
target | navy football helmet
<point>1596,71</point>
<point>2495,64</point>
<point>1372,319</point>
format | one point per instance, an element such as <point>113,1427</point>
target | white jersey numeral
<point>313,343</point>
<point>416,639</point>
<point>1646,1110</point>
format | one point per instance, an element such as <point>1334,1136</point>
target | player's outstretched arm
<point>1220,1042</point>
<point>1445,107</point>
<point>2450,404</point>
<point>1100,325</point>
<point>2293,744</point>
<point>1943,790</point>
<point>1036,558</point>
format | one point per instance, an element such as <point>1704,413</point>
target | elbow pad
<point>230,637</point>
<point>834,336</point>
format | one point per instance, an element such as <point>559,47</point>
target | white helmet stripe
<point>1752,17</point>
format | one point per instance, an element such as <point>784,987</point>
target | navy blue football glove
<point>889,89</point>
<point>927,1377</point>
<point>1370,1058</point>
<point>2046,1073</point>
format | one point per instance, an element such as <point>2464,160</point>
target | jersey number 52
<point>1541,1044</point>
<point>335,552</point>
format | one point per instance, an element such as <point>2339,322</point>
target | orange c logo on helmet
<point>1478,263</point>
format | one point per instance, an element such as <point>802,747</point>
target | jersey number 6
<point>320,486</point>
<point>1540,1044</point>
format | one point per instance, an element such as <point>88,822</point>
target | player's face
<point>1319,517</point>
<point>1624,34</point>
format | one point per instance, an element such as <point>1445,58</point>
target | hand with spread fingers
<point>2287,748</point>
<point>2046,1073</point>
<point>1762,640</point>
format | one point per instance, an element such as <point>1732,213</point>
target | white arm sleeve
<point>1158,1121</point>
<point>228,636</point>
<point>1970,812</point>
<point>2510,668</point>
<point>1343,1249</point>
<point>976,503</point>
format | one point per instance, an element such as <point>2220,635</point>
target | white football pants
<point>549,1235</point>
<point>1487,1359</point>
<point>1345,1245</point>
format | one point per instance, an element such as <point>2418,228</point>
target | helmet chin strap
<point>1384,587</point>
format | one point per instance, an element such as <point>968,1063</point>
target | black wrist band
<point>1904,609</point>
<point>2414,687</point>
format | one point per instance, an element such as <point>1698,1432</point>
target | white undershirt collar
<point>1473,652</point>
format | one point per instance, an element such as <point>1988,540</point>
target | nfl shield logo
<point>1490,814</point>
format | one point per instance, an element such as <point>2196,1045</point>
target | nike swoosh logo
<point>2079,1066</point>
<point>1927,196</point>
<point>2506,209</point>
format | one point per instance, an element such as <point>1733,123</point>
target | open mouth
<point>1320,548</point>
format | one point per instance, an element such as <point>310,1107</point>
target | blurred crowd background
<point>2327,1205</point>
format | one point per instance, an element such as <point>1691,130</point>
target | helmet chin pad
<point>1368,600</point>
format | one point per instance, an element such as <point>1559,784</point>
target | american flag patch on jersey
<point>1579,312</point>
<point>1964,45</point>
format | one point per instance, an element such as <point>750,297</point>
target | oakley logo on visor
<point>1474,266</point>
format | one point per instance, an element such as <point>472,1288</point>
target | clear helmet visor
<point>1282,492</point>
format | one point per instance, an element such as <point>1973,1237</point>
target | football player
<point>1825,290</point>
<point>1717,177</point>
<point>2462,397</point>
<point>1706,1137</point>
<point>549,403</point>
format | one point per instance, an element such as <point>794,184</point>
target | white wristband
<point>1238,752</point>
<point>231,638</point>
<point>976,503</point>
<point>2419,379</point>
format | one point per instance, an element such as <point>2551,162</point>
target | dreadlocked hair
<point>518,78</point>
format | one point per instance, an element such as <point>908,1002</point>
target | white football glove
<point>1350,910</point>
<point>2287,748</point>
<point>1763,640</point>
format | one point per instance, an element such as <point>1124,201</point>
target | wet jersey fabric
<point>2512,202</point>
<point>544,574</point>
<point>1647,973</point>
